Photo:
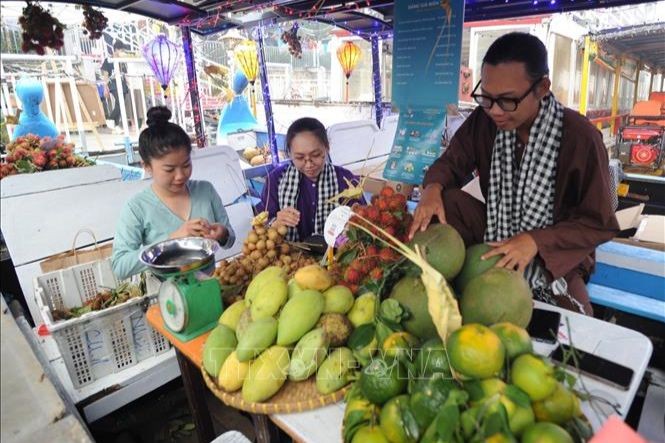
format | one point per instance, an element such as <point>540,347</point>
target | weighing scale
<point>190,300</point>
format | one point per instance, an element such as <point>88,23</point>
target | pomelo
<point>473,265</point>
<point>411,295</point>
<point>443,248</point>
<point>497,295</point>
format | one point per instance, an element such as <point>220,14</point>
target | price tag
<point>335,224</point>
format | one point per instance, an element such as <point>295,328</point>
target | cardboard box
<point>375,182</point>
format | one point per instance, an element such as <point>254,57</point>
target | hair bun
<point>158,115</point>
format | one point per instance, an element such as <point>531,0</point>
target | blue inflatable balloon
<point>239,82</point>
<point>32,119</point>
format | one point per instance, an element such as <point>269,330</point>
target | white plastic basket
<point>98,343</point>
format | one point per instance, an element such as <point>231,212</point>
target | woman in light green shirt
<point>173,206</point>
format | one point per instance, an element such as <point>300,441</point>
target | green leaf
<point>519,397</point>
<point>446,421</point>
<point>391,310</point>
<point>382,331</point>
<point>361,336</point>
<point>347,257</point>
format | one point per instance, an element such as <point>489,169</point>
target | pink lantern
<point>163,56</point>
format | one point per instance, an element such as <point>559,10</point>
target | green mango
<point>262,281</point>
<point>266,375</point>
<point>259,335</point>
<point>308,354</point>
<point>218,346</point>
<point>243,321</point>
<point>339,299</point>
<point>231,315</point>
<point>363,309</point>
<point>298,316</point>
<point>293,288</point>
<point>335,371</point>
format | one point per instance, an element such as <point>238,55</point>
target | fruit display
<point>413,332</point>
<point>256,156</point>
<point>466,388</point>
<point>31,153</point>
<point>104,299</point>
<point>263,247</point>
<point>281,332</point>
<point>364,262</point>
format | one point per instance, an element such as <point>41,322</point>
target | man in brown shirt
<point>543,171</point>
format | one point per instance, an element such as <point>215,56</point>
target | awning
<point>645,43</point>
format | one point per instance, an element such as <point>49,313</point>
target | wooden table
<point>621,345</point>
<point>190,360</point>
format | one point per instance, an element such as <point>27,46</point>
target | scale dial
<point>173,306</point>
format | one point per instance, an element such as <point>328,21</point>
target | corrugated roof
<point>209,16</point>
<point>645,42</point>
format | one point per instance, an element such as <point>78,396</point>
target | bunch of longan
<point>263,247</point>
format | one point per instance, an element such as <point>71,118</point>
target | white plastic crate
<point>98,343</point>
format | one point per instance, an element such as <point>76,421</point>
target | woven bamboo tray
<point>292,397</point>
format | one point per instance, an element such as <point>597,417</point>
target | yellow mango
<point>233,373</point>
<point>313,277</point>
<point>266,374</point>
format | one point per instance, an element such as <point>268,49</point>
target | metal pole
<point>123,112</point>
<point>376,77</point>
<point>584,89</point>
<point>267,106</point>
<point>637,82</point>
<point>197,113</point>
<point>615,95</point>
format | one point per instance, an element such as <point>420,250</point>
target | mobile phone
<point>596,367</point>
<point>544,325</point>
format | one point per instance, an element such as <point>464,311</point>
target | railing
<point>615,122</point>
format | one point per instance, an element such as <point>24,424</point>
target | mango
<point>233,373</point>
<point>298,316</point>
<point>293,288</point>
<point>339,299</point>
<point>219,344</point>
<point>313,277</point>
<point>266,375</point>
<point>244,321</point>
<point>335,371</point>
<point>308,354</point>
<point>231,316</point>
<point>260,334</point>
<point>362,311</point>
<point>263,281</point>
<point>267,292</point>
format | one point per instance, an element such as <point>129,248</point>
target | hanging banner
<point>427,46</point>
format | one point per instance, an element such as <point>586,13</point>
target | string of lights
<point>376,78</point>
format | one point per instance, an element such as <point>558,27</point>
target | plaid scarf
<point>327,187</point>
<point>522,199</point>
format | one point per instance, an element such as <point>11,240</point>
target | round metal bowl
<point>180,255</point>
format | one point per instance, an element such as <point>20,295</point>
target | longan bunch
<point>263,247</point>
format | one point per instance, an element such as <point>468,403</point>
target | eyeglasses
<point>507,104</point>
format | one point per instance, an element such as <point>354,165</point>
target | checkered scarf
<point>327,187</point>
<point>522,199</point>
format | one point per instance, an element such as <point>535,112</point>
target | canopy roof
<point>645,42</point>
<point>363,17</point>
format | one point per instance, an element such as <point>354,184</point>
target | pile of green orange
<point>484,384</point>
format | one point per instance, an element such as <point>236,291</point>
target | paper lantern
<point>348,55</point>
<point>248,59</point>
<point>163,56</point>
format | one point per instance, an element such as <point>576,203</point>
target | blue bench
<point>630,279</point>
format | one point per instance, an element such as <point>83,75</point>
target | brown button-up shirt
<point>583,214</point>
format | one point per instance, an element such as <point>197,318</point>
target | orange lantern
<point>348,55</point>
<point>247,57</point>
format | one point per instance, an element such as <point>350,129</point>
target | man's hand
<point>517,251</point>
<point>288,217</point>
<point>430,204</point>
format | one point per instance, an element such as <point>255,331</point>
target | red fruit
<point>386,255</point>
<point>356,264</point>
<point>387,191</point>
<point>387,219</point>
<point>368,265</point>
<point>354,288</point>
<point>39,160</point>
<point>397,202</point>
<point>352,276</point>
<point>373,214</point>
<point>376,274</point>
<point>382,204</point>
<point>372,250</point>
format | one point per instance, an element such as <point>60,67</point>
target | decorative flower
<point>94,22</point>
<point>40,29</point>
